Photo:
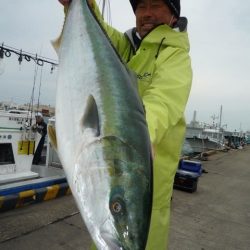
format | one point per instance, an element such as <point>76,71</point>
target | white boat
<point>200,139</point>
<point>17,145</point>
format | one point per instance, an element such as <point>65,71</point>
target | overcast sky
<point>219,34</point>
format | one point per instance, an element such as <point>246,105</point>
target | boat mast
<point>220,117</point>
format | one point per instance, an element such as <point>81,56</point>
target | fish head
<point>129,195</point>
<point>113,191</point>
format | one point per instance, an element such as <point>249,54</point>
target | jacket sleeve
<point>167,95</point>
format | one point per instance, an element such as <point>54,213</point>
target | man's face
<point>151,13</point>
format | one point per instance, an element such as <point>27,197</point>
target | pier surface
<point>217,216</point>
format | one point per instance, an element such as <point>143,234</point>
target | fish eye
<point>117,207</point>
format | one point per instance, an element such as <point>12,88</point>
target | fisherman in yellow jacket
<point>157,50</point>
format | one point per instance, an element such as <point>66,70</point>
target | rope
<point>31,104</point>
<point>39,91</point>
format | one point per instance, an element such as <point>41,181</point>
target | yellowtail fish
<point>102,135</point>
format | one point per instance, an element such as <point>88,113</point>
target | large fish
<point>103,141</point>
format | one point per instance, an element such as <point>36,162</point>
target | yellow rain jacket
<point>164,74</point>
<point>163,68</point>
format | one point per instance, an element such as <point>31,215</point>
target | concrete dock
<point>217,216</point>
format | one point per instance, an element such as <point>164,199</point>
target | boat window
<point>6,154</point>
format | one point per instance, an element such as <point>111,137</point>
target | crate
<point>191,166</point>
<point>186,180</point>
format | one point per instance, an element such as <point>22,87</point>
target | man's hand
<point>67,2</point>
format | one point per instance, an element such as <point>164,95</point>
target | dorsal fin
<point>90,118</point>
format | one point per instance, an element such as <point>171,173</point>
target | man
<point>41,128</point>
<point>157,51</point>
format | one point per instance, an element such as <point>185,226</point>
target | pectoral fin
<point>90,118</point>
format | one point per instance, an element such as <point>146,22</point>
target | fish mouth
<point>111,242</point>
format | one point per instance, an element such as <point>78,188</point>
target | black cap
<point>174,6</point>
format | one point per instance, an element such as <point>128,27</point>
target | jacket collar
<point>163,34</point>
